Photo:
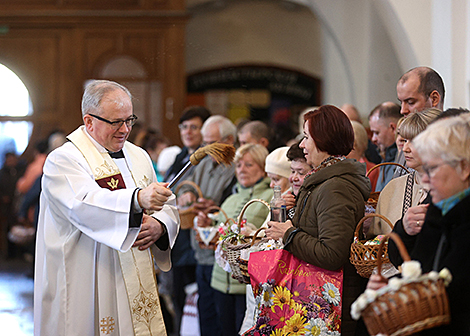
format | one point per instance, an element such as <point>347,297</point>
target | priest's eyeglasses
<point>118,123</point>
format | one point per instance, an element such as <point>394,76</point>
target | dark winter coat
<point>455,226</point>
<point>329,206</point>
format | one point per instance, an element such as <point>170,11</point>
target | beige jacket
<point>390,203</point>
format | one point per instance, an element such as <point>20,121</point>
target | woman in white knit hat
<point>278,168</point>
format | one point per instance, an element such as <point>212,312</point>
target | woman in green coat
<point>252,183</point>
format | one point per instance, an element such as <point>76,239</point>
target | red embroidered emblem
<point>113,182</point>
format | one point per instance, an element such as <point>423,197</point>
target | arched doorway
<point>15,114</point>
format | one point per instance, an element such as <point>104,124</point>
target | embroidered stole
<point>137,266</point>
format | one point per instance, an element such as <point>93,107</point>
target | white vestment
<point>79,287</point>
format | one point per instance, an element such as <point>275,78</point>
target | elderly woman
<point>444,149</point>
<point>403,199</point>
<point>252,183</point>
<point>330,202</point>
<point>278,168</point>
<point>299,168</point>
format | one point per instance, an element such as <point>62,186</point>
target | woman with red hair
<point>330,202</point>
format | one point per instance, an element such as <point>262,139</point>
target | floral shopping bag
<point>293,297</point>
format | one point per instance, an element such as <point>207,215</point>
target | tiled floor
<point>16,298</point>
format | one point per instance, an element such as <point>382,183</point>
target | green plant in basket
<point>234,233</point>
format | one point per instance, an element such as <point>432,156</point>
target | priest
<point>104,223</point>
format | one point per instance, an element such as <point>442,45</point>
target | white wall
<point>254,32</point>
<point>460,56</point>
<point>343,42</point>
<point>433,33</point>
<point>416,18</point>
<point>358,47</point>
<point>360,63</point>
<point>439,33</point>
<point>384,67</point>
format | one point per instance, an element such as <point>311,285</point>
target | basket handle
<point>256,235</point>
<point>387,164</point>
<point>240,217</point>
<point>358,227</point>
<point>230,220</point>
<point>192,184</point>
<point>401,248</point>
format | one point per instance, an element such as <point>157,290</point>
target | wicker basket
<point>415,306</point>
<point>374,196</point>
<point>364,257</point>
<point>187,214</point>
<point>213,243</point>
<point>387,164</point>
<point>233,247</point>
<point>243,263</point>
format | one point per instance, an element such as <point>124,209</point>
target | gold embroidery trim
<point>105,170</point>
<point>107,325</point>
<point>113,183</point>
<point>145,304</point>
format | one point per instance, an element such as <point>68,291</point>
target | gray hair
<point>447,139</point>
<point>256,128</point>
<point>94,93</point>
<point>226,127</point>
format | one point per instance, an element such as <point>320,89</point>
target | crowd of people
<point>107,216</point>
<point>335,156</point>
<point>20,186</point>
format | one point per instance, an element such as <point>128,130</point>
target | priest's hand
<point>154,196</point>
<point>151,230</point>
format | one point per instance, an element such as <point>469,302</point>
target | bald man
<point>420,88</point>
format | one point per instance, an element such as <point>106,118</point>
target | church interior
<point>246,59</point>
